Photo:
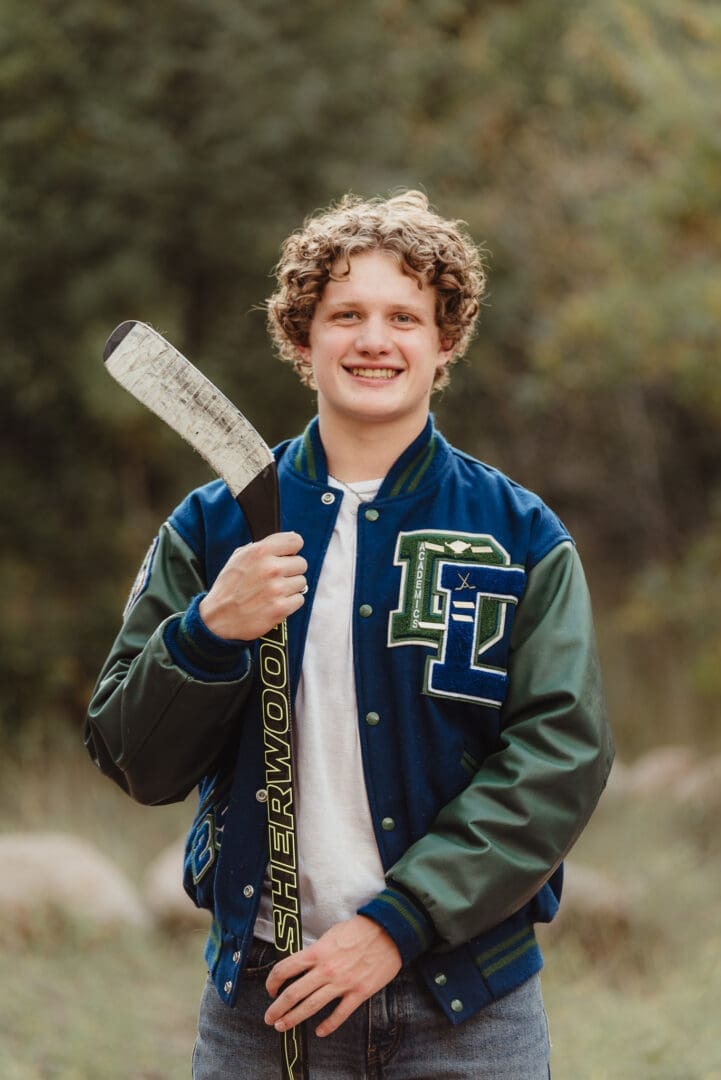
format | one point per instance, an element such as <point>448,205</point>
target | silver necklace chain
<point>366,497</point>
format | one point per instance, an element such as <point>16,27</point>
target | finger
<point>295,585</point>
<point>292,994</point>
<point>282,608</point>
<point>281,543</point>
<point>340,1014</point>
<point>289,968</point>
<point>305,1008</point>
<point>290,565</point>
<point>292,604</point>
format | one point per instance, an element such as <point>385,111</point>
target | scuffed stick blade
<point>159,376</point>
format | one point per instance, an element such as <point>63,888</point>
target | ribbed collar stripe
<point>304,460</point>
<point>404,477</point>
<point>419,466</point>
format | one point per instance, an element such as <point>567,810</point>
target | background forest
<point>153,158</point>
<point>154,155</point>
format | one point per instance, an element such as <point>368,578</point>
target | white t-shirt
<point>340,868</point>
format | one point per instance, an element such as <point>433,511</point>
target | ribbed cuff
<point>200,652</point>
<point>407,922</point>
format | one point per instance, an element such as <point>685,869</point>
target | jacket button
<point>456,1005</point>
<point>372,718</point>
<point>248,891</point>
<point>388,823</point>
<point>228,986</point>
<point>236,957</point>
<point>261,795</point>
<point>371,514</point>
<point>365,610</point>
<point>328,498</point>
<point>440,979</point>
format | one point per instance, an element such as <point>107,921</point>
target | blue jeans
<point>399,1034</point>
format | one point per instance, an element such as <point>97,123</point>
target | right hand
<point>259,586</point>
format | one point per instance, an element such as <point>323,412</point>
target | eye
<point>404,318</point>
<point>345,316</point>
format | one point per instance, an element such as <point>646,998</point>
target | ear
<point>445,354</point>
<point>304,366</point>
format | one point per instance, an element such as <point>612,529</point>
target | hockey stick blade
<point>160,377</point>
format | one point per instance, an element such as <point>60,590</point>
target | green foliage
<point>153,158</point>
<point>683,601</point>
<point>605,286</point>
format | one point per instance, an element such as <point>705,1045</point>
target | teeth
<point>373,373</point>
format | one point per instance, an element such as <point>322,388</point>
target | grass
<point>117,1009</point>
<point>75,1007</point>
<point>648,1010</point>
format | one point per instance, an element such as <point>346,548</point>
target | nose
<point>373,338</point>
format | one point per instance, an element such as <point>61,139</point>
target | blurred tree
<point>599,193</point>
<point>154,156</point>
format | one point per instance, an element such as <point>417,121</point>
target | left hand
<point>351,961</point>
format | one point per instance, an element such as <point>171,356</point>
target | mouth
<point>382,374</point>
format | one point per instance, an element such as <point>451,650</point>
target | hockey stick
<point>154,372</point>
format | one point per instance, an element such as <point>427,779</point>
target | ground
<point>641,1004</point>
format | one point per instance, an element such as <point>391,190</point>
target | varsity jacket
<point>481,716</point>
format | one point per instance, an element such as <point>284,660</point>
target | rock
<point>660,771</point>
<point>51,878</point>
<point>702,785</point>
<point>165,897</point>
<point>596,911</point>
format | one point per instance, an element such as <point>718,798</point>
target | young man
<point>451,734</point>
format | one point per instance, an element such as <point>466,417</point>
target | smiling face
<point>375,348</point>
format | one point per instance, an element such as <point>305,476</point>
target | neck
<point>363,453</point>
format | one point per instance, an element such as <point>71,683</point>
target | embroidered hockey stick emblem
<point>458,596</point>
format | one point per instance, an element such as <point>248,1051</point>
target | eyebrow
<point>343,305</point>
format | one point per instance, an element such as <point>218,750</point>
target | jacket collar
<point>419,464</point>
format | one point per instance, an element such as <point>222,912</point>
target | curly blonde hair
<point>435,251</point>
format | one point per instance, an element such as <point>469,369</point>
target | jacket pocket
<point>203,843</point>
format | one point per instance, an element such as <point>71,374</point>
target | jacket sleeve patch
<point>143,577</point>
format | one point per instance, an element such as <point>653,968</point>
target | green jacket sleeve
<point>168,698</point>
<point>493,846</point>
